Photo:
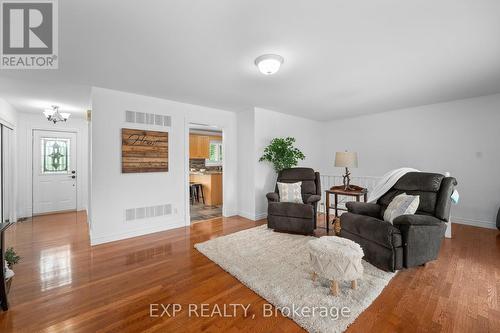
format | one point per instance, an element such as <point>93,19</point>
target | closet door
<point>7,175</point>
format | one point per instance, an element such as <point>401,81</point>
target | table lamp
<point>346,160</point>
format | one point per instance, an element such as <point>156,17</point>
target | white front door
<point>54,171</point>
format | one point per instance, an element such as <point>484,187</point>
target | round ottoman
<point>336,259</point>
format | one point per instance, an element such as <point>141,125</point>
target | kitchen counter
<point>212,186</point>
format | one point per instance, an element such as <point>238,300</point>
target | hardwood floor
<point>64,285</point>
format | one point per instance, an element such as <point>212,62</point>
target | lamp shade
<point>65,115</point>
<point>346,159</point>
<point>49,112</point>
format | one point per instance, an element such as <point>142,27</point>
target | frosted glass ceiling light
<point>269,64</point>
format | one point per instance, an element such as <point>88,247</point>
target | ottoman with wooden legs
<point>336,259</point>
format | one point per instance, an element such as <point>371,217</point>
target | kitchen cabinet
<point>212,187</point>
<point>199,145</point>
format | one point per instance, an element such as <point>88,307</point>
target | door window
<point>55,152</point>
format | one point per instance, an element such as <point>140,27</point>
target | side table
<point>352,191</point>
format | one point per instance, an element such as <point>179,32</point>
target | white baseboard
<point>246,215</point>
<point>230,213</point>
<point>253,217</point>
<point>101,239</point>
<point>24,213</point>
<point>458,220</point>
<point>260,216</point>
<point>475,223</point>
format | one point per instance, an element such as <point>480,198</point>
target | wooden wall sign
<point>144,151</point>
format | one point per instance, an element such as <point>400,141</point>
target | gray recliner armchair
<point>411,240</point>
<point>295,217</point>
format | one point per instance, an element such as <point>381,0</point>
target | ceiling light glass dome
<point>269,64</point>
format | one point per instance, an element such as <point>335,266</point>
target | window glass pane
<point>215,152</point>
<point>55,154</point>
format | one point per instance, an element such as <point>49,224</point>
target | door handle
<point>73,176</point>
<point>73,172</point>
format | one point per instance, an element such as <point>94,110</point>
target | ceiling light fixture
<point>54,115</point>
<point>269,64</point>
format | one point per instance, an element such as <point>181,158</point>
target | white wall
<point>270,124</point>
<point>8,115</point>
<point>461,137</point>
<point>246,162</point>
<point>113,192</point>
<point>27,122</point>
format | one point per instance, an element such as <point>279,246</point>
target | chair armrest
<point>273,197</point>
<point>312,199</point>
<point>369,229</point>
<point>363,208</point>
<point>416,220</point>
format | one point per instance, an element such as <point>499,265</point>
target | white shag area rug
<point>276,266</point>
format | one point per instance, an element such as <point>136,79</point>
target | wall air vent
<point>147,212</point>
<point>147,118</point>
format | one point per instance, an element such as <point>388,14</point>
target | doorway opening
<point>205,187</point>
<point>54,172</point>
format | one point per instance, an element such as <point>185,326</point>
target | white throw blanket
<point>388,180</point>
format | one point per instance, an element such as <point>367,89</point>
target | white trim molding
<point>101,239</point>
<point>260,216</point>
<point>474,223</point>
<point>247,215</point>
<point>253,217</point>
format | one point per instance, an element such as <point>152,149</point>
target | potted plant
<point>11,258</point>
<point>282,154</point>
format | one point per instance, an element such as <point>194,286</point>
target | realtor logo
<point>29,34</point>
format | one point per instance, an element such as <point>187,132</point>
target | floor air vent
<point>147,212</point>
<point>147,118</point>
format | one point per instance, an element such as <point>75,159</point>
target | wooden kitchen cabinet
<point>199,146</point>
<point>203,146</point>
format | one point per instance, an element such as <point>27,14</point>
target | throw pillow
<point>290,192</point>
<point>402,204</point>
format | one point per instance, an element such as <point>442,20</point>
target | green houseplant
<point>11,258</point>
<point>282,153</point>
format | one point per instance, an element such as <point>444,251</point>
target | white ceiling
<point>342,58</point>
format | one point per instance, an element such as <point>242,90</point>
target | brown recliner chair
<point>295,217</point>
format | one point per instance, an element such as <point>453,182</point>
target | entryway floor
<point>201,212</point>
